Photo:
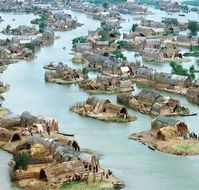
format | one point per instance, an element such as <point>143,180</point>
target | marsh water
<point>137,166</point>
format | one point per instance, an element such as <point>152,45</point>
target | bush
<point>81,39</point>
<point>133,28</point>
<point>42,22</point>
<point>119,55</point>
<point>179,70</point>
<point>193,27</point>
<point>123,43</point>
<point>21,160</point>
<point>30,46</point>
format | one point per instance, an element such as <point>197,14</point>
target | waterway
<point>137,166</point>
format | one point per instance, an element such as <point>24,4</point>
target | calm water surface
<point>139,167</point>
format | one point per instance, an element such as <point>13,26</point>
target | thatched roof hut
<point>9,136</point>
<point>125,86</point>
<point>64,151</point>
<point>162,121</point>
<point>27,119</point>
<point>61,172</point>
<point>168,128</point>
<point>148,96</point>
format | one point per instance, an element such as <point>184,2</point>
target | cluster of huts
<point>102,109</point>
<point>21,47</point>
<point>21,30</point>
<point>53,158</point>
<point>169,135</point>
<point>97,12</point>
<point>153,103</point>
<point>106,85</point>
<point>62,74</point>
<point>61,21</point>
<point>132,7</point>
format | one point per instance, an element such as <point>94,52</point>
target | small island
<point>170,136</point>
<point>152,103</point>
<point>44,158</point>
<point>103,110</point>
<point>106,85</point>
<point>62,74</point>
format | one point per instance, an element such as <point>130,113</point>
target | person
<point>40,128</point>
<point>48,129</point>
<point>30,131</point>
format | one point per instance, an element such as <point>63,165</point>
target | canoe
<point>188,114</point>
<point>67,135</point>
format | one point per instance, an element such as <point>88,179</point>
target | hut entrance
<point>124,111</point>
<point>15,137</point>
<point>112,35</point>
<point>182,128</point>
<point>75,146</point>
<point>42,175</point>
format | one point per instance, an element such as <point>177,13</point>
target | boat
<point>188,114</point>
<point>181,14</point>
<point>67,135</point>
<point>151,147</point>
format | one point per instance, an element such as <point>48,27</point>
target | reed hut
<point>62,172</point>
<point>168,128</point>
<point>9,136</point>
<point>65,151</point>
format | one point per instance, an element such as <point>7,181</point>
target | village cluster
<point>44,157</point>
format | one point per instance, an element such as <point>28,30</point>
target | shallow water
<point>139,167</point>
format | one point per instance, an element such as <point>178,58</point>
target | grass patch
<point>187,148</point>
<point>191,54</point>
<point>101,91</point>
<point>88,151</point>
<point>121,120</point>
<point>4,111</point>
<point>81,185</point>
<point>62,81</point>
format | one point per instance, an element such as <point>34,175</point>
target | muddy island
<point>62,74</point>
<point>152,103</point>
<point>106,85</point>
<point>44,158</point>
<point>170,136</point>
<point>103,110</point>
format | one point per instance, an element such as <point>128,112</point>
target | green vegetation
<point>119,55</point>
<point>4,111</point>
<point>185,8</point>
<point>191,54</point>
<point>193,27</point>
<point>88,151</point>
<point>187,148</point>
<point>81,39</point>
<point>42,22</point>
<point>105,5</point>
<point>123,43</point>
<point>21,160</point>
<point>103,35</point>
<point>105,1</point>
<point>82,185</point>
<point>194,48</point>
<point>62,81</point>
<point>179,70</point>
<point>171,21</point>
<point>30,46</point>
<point>151,2</point>
<point>101,91</point>
<point>8,27</point>
<point>194,51</point>
<point>85,70</point>
<point>121,119</point>
<point>192,3</point>
<point>133,28</point>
